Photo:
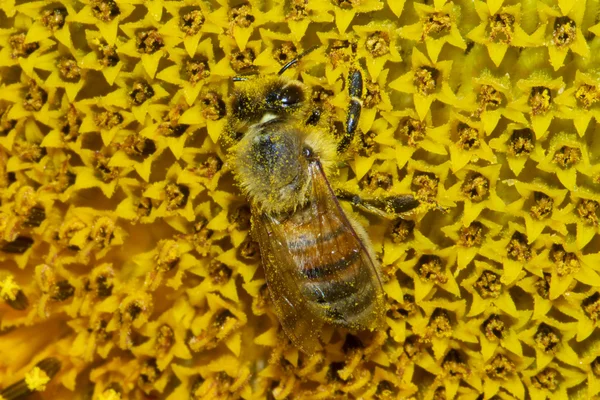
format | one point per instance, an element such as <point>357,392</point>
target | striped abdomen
<point>336,273</point>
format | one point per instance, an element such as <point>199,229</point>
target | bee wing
<point>291,268</point>
<point>297,317</point>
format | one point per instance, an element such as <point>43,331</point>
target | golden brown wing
<point>297,317</point>
<point>318,269</point>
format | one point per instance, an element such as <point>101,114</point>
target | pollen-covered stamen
<point>546,339</point>
<point>440,324</point>
<point>54,19</point>
<point>548,379</point>
<point>565,32</point>
<point>191,23</point>
<point>19,47</point>
<point>475,187</point>
<point>34,381</point>
<point>149,41</point>
<point>588,211</point>
<point>140,93</point>
<point>501,28</point>
<point>493,328</point>
<point>426,80</point>
<point>12,293</point>
<point>105,10</point>
<point>35,98</point>
<point>521,142</point>
<point>454,365</point>
<point>540,100</point>
<point>567,156</point>
<point>436,24</point>
<point>242,61</point>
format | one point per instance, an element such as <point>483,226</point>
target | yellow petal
<point>494,5</point>
<point>191,43</point>
<point>422,104</point>
<point>557,56</point>
<point>298,28</point>
<point>540,124</point>
<point>109,30</point>
<point>362,165</point>
<point>497,52</point>
<point>581,122</point>
<point>343,19</point>
<point>396,6</point>
<point>568,177</point>
<point>242,35</point>
<point>269,338</point>
<point>516,164</point>
<point>434,47</point>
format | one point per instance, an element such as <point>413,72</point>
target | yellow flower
<point>146,43</point>
<point>502,372</point>
<point>583,214</point>
<point>590,365</point>
<point>500,28</point>
<point>106,16</point>
<point>127,264</point>
<point>224,377</point>
<point>466,141</point>
<point>578,101</point>
<point>487,98</point>
<point>488,291</point>
<point>431,271</point>
<point>518,143</point>
<point>477,190</point>
<point>437,26</point>
<point>378,45</point>
<point>550,339</point>
<point>346,10</point>
<point>500,331</point>
<point>552,381</point>
<point>427,81</point>
<point>104,57</point>
<point>471,240</point>
<point>238,22</point>
<point>538,206</point>
<point>563,30</point>
<point>301,13</point>
<point>137,93</point>
<point>584,308</point>
<point>537,100</point>
<point>189,24</point>
<point>566,156</point>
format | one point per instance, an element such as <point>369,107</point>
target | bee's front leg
<point>389,207</point>
<point>355,91</point>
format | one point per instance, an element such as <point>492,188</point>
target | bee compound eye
<point>308,153</point>
<point>291,95</point>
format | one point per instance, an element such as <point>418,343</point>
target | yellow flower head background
<point>127,268</point>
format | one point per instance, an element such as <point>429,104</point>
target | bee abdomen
<point>327,271</point>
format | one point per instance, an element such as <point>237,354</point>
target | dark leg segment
<point>386,207</point>
<point>355,90</point>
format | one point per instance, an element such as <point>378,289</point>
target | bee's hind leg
<point>389,207</point>
<point>355,91</point>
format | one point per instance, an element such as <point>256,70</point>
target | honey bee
<point>318,261</point>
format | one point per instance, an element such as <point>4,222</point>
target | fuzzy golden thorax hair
<point>272,164</point>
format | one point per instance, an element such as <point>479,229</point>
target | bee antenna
<point>239,78</point>
<point>295,60</point>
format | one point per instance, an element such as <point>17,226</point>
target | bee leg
<point>295,60</point>
<point>314,117</point>
<point>20,390</point>
<point>389,207</point>
<point>355,90</point>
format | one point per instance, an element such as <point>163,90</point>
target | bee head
<point>259,99</point>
